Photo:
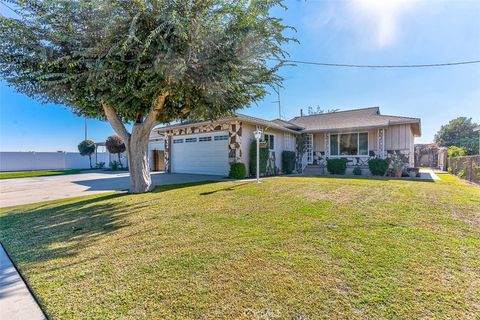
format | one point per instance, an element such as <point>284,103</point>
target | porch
<point>357,147</point>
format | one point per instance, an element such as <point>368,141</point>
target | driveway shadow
<point>158,179</point>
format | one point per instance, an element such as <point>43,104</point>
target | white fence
<point>24,161</point>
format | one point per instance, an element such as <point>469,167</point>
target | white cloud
<point>381,18</point>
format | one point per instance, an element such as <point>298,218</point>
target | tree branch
<point>115,121</point>
<point>155,110</point>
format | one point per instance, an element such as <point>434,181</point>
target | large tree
<point>143,62</point>
<point>459,132</point>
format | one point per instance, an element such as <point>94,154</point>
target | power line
<point>343,65</point>
<point>6,5</point>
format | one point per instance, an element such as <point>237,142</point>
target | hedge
<point>337,166</point>
<point>237,171</point>
<point>378,167</point>
<point>253,158</point>
<point>288,161</point>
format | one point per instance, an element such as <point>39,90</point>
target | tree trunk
<point>137,151</point>
<point>136,142</point>
<point>90,159</point>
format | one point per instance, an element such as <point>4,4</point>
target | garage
<point>200,153</point>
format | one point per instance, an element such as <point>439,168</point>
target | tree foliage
<point>459,132</point>
<point>87,148</point>
<point>454,151</point>
<point>211,56</point>
<point>115,144</point>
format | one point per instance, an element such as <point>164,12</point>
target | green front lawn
<point>29,174</point>
<point>291,247</point>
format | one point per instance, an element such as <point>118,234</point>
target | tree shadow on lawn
<point>373,178</point>
<point>46,232</point>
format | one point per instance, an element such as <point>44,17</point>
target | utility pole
<point>85,127</point>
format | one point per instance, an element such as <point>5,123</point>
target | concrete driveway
<point>32,190</point>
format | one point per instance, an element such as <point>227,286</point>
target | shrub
<point>115,144</point>
<point>288,161</point>
<point>378,167</point>
<point>455,151</point>
<point>100,165</point>
<point>337,166</point>
<point>115,165</point>
<point>357,171</point>
<point>461,173</point>
<point>237,171</point>
<point>450,170</point>
<point>253,158</point>
<point>87,148</point>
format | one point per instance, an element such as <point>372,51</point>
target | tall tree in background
<point>459,132</point>
<point>143,62</point>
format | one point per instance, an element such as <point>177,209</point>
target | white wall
<point>247,138</point>
<point>21,161</point>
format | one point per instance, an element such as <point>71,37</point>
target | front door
<point>309,148</point>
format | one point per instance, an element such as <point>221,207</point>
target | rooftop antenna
<point>277,90</point>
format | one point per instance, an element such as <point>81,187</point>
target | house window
<point>190,140</point>
<point>203,139</point>
<point>270,140</point>
<point>177,140</point>
<point>218,138</point>
<point>349,144</point>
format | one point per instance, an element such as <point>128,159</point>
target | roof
<point>476,129</point>
<point>353,120</point>
<point>236,116</point>
<point>335,121</point>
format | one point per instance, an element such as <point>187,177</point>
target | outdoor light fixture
<point>258,134</point>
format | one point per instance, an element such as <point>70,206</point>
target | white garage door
<point>201,153</point>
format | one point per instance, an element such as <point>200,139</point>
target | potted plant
<point>413,172</point>
<point>396,165</point>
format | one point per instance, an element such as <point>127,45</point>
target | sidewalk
<point>16,301</point>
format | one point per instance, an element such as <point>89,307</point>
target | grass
<point>291,247</point>
<point>30,174</point>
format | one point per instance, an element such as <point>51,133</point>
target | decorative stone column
<point>381,143</point>
<point>167,142</point>
<point>234,142</point>
<point>327,145</point>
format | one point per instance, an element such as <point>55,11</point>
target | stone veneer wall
<point>234,129</point>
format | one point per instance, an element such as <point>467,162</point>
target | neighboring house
<point>209,147</point>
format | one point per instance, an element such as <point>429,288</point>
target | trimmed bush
<point>237,171</point>
<point>357,171</point>
<point>337,166</point>
<point>455,151</point>
<point>288,161</point>
<point>253,158</point>
<point>378,167</point>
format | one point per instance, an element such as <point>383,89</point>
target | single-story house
<point>209,147</point>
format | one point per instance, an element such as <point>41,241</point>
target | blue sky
<point>356,32</point>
